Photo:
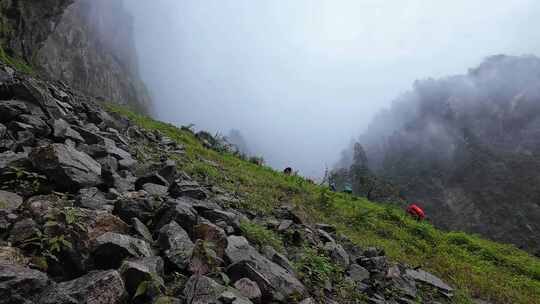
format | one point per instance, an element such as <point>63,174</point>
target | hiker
<point>287,171</point>
<point>347,189</point>
<point>333,187</point>
<point>416,212</point>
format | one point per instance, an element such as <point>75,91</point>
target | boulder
<point>63,130</point>
<point>10,159</point>
<point>169,171</point>
<point>428,278</point>
<point>202,290</point>
<point>203,259</point>
<point>176,244</point>
<point>233,296</point>
<point>39,127</point>
<point>337,254</point>
<point>10,109</point>
<point>9,201</point>
<point>68,168</point>
<point>136,271</point>
<point>153,178</point>
<point>22,231</point>
<point>111,248</point>
<point>20,285</point>
<point>156,190</point>
<point>97,287</point>
<point>214,235</point>
<point>3,130</point>
<point>139,207</point>
<point>179,210</point>
<point>248,289</point>
<point>275,282</point>
<point>358,273</point>
<point>91,198</point>
<point>216,216</point>
<point>141,230</point>
<point>188,188</point>
<point>284,225</point>
<point>270,253</point>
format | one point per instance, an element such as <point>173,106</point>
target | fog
<point>301,78</point>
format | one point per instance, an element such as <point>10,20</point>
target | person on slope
<point>416,212</point>
<point>287,171</point>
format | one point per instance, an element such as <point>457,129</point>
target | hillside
<point>466,148</point>
<point>115,208</point>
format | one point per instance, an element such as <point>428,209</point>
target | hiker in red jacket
<point>416,212</point>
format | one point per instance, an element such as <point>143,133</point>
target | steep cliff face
<point>467,149</point>
<point>92,49</point>
<point>26,24</point>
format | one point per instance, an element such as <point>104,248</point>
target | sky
<point>300,79</point>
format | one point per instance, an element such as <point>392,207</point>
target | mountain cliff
<point>85,43</point>
<point>467,149</point>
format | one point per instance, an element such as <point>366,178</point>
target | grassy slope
<point>476,267</point>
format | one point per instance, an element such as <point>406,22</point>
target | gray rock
<point>20,285</point>
<point>38,125</point>
<point>10,159</point>
<point>428,278</point>
<point>22,230</point>
<point>179,210</point>
<point>136,271</point>
<point>375,264</point>
<point>176,244</point>
<point>216,216</point>
<point>111,248</point>
<point>274,281</point>
<point>153,178</point>
<point>63,130</point>
<point>325,236</point>
<point>139,207</point>
<point>278,258</point>
<point>94,288</point>
<point>9,202</point>
<point>108,163</point>
<point>157,190</point>
<point>358,273</point>
<point>141,229</point>
<point>127,163</point>
<point>213,235</point>
<point>91,198</point>
<point>10,109</point>
<point>3,130</point>
<point>188,188</point>
<point>337,254</point>
<point>284,225</point>
<point>248,289</point>
<point>169,171</point>
<point>202,290</point>
<point>68,168</point>
<point>233,296</point>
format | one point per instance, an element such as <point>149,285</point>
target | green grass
<point>261,236</point>
<point>16,63</point>
<point>478,268</point>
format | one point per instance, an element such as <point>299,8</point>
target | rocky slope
<point>87,44</point>
<point>83,221</point>
<point>466,148</point>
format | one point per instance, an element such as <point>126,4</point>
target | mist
<point>300,79</point>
